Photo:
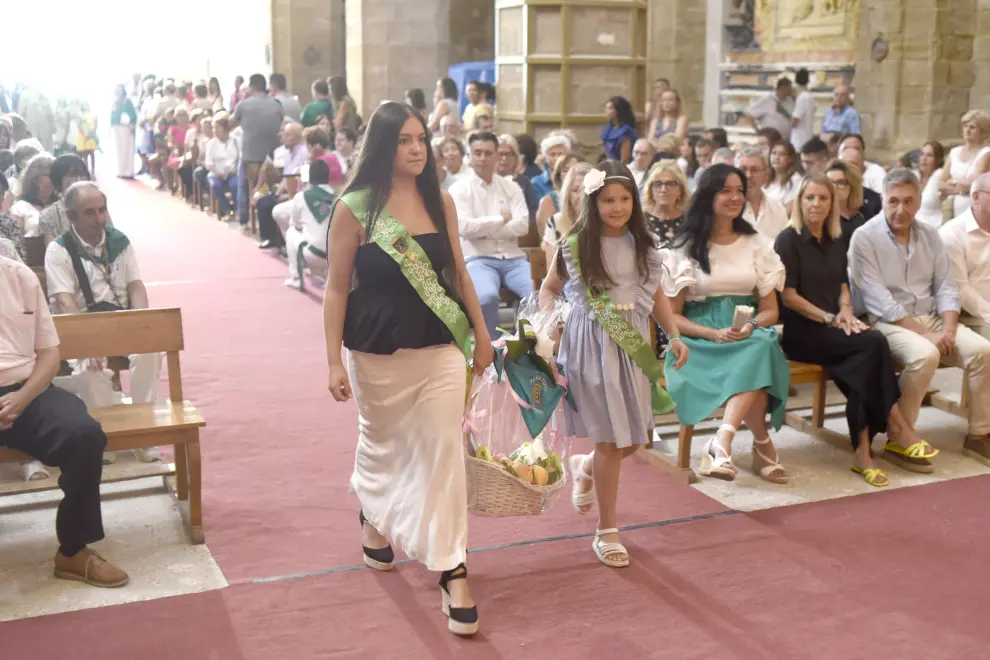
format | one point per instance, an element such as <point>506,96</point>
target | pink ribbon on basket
<point>468,423</point>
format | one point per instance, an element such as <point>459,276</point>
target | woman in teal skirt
<point>715,264</point>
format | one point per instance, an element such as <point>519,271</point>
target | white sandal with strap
<point>35,471</point>
<point>582,501</point>
<point>715,462</point>
<point>610,554</point>
<point>766,468</point>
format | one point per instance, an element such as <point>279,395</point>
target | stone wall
<point>308,42</point>
<point>676,49</point>
<point>922,87</point>
<point>472,32</point>
<point>980,93</point>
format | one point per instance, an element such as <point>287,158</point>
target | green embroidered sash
<point>116,243</point>
<point>625,335</point>
<point>319,202</point>
<point>394,239</point>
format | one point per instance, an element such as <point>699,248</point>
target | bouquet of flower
<point>515,451</point>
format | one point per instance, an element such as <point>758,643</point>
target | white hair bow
<point>593,180</point>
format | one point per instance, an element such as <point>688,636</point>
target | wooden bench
<point>942,402</point>
<point>173,422</point>
<point>801,374</point>
<point>35,248</point>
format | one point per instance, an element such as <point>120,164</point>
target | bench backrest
<point>34,246</point>
<point>136,331</point>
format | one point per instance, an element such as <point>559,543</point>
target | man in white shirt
<point>303,221</point>
<point>852,148</point>
<point>112,281</point>
<point>51,425</point>
<point>774,110</point>
<point>803,119</point>
<point>768,215</point>
<point>492,215</point>
<point>967,240</point>
<point>643,153</point>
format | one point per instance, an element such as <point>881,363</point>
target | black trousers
<point>267,228</point>
<point>186,174</point>
<point>860,365</point>
<point>56,430</point>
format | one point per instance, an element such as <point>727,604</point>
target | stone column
<point>714,37</point>
<point>393,45</point>
<point>922,87</point>
<point>308,42</point>
<point>676,31</point>
<point>979,96</point>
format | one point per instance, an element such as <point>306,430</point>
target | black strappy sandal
<point>380,559</point>
<point>460,620</point>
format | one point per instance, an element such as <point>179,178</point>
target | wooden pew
<point>35,248</point>
<point>942,402</point>
<point>173,422</point>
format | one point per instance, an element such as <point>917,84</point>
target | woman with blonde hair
<point>847,179</point>
<point>670,118</point>
<point>665,197</point>
<point>820,327</point>
<point>509,164</point>
<point>550,203</point>
<point>560,224</point>
<point>967,161</point>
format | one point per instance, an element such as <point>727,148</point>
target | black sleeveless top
<point>384,311</point>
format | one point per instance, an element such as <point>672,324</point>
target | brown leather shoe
<point>978,447</point>
<point>89,567</point>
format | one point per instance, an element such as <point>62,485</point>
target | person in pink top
<point>318,146</point>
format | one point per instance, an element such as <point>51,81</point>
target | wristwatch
<point>829,318</point>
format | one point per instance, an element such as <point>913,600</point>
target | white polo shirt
<point>480,205</point>
<point>968,247</point>
<point>25,323</point>
<point>108,285</point>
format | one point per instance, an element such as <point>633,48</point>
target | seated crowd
<point>843,263</point>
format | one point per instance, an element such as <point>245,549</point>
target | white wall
<point>82,48</point>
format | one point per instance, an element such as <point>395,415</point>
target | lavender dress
<point>612,393</point>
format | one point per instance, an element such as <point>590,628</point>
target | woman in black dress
<point>820,328</point>
<point>399,297</point>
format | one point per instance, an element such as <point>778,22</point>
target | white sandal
<point>35,471</point>
<point>764,467</point>
<point>582,501</point>
<point>715,462</point>
<point>608,552</point>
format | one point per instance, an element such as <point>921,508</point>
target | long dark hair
<point>449,88</point>
<point>375,165</point>
<point>696,231</point>
<point>589,230</point>
<point>624,114</point>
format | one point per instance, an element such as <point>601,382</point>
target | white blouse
<point>785,193</point>
<point>747,265</point>
<point>931,201</point>
<point>30,216</point>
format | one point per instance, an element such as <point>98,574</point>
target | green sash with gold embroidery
<point>625,335</point>
<point>394,239</point>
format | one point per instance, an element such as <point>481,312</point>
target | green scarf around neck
<point>319,202</point>
<point>115,244</point>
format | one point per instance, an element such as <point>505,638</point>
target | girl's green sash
<point>625,335</point>
<point>394,240</point>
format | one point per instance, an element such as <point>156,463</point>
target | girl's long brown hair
<point>589,231</point>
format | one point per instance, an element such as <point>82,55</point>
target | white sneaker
<point>34,471</point>
<point>148,454</point>
<point>292,282</point>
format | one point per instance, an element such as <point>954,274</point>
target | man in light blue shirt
<point>841,116</point>
<point>900,274</point>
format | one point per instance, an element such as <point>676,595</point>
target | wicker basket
<point>493,492</point>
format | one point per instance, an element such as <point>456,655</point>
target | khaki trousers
<point>921,358</point>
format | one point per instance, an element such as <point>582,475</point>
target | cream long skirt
<point>409,465</point>
<point>123,138</point>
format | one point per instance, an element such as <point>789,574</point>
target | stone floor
<point>820,471</point>
<point>145,537</point>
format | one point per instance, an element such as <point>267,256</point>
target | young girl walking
<point>610,268</point>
